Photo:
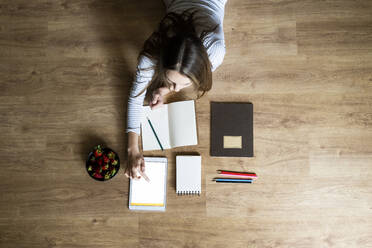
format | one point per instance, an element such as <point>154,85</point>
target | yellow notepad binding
<point>147,204</point>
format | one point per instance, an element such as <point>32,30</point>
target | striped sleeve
<point>144,74</point>
<point>215,45</point>
<point>216,53</point>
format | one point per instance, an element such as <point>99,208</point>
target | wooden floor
<point>65,71</point>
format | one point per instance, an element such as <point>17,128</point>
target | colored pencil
<point>156,136</point>
<point>232,180</point>
<point>234,173</point>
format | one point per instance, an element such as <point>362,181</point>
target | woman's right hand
<point>135,164</point>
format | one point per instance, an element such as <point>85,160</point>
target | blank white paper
<point>182,124</point>
<point>153,192</point>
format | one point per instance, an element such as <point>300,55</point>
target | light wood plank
<point>65,72</point>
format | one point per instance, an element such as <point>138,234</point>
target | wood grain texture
<point>65,73</point>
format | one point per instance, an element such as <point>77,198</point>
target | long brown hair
<point>175,45</point>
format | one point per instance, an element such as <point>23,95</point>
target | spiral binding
<point>188,193</point>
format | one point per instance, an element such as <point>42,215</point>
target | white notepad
<point>188,175</point>
<point>174,124</point>
<point>144,195</point>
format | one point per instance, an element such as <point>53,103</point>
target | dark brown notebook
<point>231,129</point>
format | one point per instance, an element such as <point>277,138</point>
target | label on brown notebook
<point>232,142</point>
<point>231,129</point>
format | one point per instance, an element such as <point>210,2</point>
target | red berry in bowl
<point>97,175</point>
<point>105,159</point>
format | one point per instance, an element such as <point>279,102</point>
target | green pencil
<point>153,130</point>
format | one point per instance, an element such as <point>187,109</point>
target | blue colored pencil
<point>232,180</point>
<point>153,130</point>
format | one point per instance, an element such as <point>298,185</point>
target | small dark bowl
<point>105,150</point>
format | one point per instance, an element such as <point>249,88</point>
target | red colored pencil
<point>240,174</point>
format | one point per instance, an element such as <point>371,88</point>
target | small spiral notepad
<point>188,175</point>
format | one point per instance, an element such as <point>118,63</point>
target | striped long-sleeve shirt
<point>211,14</point>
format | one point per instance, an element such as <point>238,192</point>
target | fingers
<point>135,164</point>
<point>143,174</point>
<point>142,165</point>
<point>155,98</point>
<point>134,173</point>
<point>131,172</point>
<point>142,170</point>
<point>139,167</point>
<point>158,104</point>
<point>135,168</point>
<point>128,172</point>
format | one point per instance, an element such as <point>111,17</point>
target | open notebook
<point>152,196</point>
<point>174,124</point>
<point>188,175</point>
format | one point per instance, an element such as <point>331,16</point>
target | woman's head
<point>181,60</point>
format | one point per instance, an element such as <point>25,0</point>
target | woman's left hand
<point>157,97</point>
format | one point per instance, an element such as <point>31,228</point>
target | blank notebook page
<point>188,174</point>
<point>150,193</point>
<point>159,121</point>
